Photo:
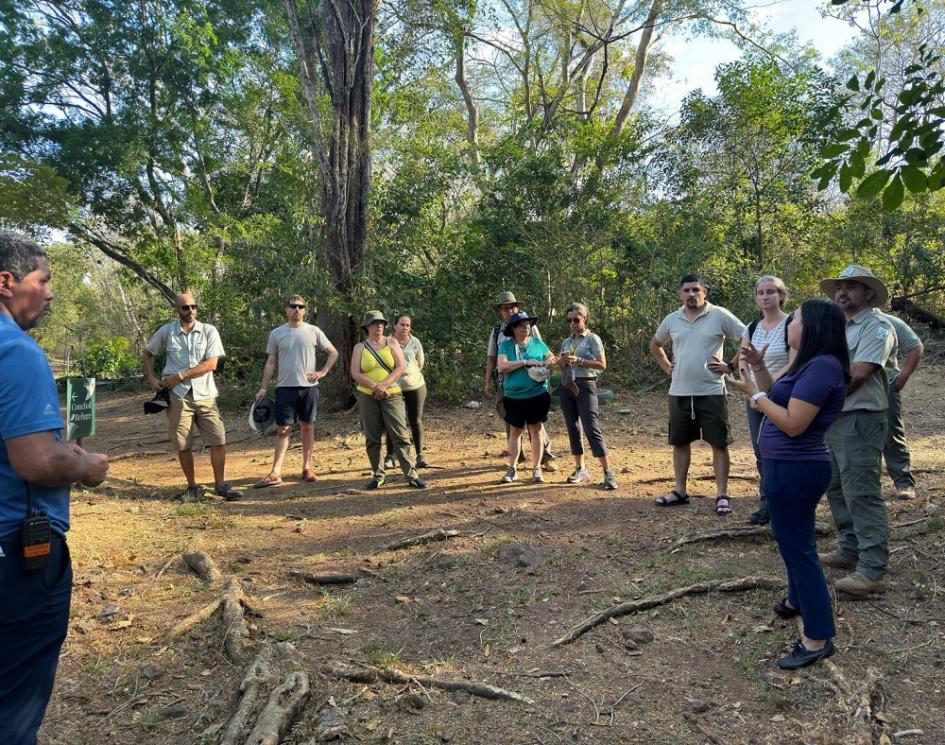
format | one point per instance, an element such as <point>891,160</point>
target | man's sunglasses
<point>188,307</point>
<point>297,306</point>
<point>574,320</point>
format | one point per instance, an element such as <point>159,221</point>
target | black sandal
<point>723,509</point>
<point>680,499</point>
<point>783,610</point>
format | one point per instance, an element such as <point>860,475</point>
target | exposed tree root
<point>440,534</point>
<point>203,566</point>
<point>258,674</point>
<point>860,703</point>
<point>361,673</point>
<point>738,532</point>
<point>283,708</point>
<point>324,578</point>
<point>235,629</point>
<point>699,588</point>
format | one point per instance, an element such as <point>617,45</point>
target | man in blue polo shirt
<point>36,469</point>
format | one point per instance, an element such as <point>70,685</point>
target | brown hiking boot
<point>857,584</point>
<point>838,560</point>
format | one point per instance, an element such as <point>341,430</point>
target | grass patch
<point>193,509</point>
<point>333,606</point>
<point>380,654</point>
<point>493,547</point>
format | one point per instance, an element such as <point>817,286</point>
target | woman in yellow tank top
<point>376,365</point>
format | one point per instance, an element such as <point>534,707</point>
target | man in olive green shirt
<point>857,438</point>
<point>896,453</point>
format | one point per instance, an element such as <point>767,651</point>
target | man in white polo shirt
<point>697,402</point>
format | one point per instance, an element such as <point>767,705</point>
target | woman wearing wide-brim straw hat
<point>376,365</point>
<point>524,360</point>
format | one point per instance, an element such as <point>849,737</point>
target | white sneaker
<point>510,476</point>
<point>579,476</point>
<point>537,478</point>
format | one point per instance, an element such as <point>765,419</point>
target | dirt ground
<point>694,670</point>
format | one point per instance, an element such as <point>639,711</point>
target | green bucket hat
<point>505,298</point>
<point>372,316</point>
<point>858,273</point>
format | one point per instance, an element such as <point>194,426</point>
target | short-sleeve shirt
<point>695,342</point>
<point>870,339</point>
<point>187,350</point>
<point>497,336</point>
<point>414,360</point>
<point>820,383</point>
<point>906,341</point>
<point>295,352</point>
<point>776,355</point>
<point>518,383</point>
<point>29,404</point>
<point>587,346</point>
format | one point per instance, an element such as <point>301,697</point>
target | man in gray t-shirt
<point>293,348</point>
<point>697,403</point>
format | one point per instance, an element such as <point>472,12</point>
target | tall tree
<point>335,46</point>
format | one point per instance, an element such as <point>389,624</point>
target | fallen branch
<point>699,588</point>
<point>703,730</point>
<point>203,566</point>
<point>283,708</point>
<point>361,673</point>
<point>434,535</point>
<point>258,674</point>
<point>166,565</point>
<point>324,578</point>
<point>758,531</point>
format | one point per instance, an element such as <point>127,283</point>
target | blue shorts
<point>296,404</point>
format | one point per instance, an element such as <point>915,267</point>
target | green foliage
<point>896,116</point>
<point>109,359</point>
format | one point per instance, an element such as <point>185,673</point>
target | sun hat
<point>262,415</point>
<point>159,403</point>
<point>516,318</point>
<point>858,273</point>
<point>372,316</point>
<point>505,298</point>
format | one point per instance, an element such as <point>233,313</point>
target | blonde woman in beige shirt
<point>413,387</point>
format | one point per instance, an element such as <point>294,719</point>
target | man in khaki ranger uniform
<point>857,438</point>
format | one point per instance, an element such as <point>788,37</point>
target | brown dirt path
<point>452,609</point>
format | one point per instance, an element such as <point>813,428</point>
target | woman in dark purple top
<point>798,410</point>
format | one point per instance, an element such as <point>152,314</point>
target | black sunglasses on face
<point>187,307</point>
<point>574,320</point>
<point>296,306</point>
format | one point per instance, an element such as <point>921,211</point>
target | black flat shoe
<point>783,610</point>
<point>803,657</point>
<point>758,517</point>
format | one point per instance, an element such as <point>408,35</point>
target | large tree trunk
<point>338,40</point>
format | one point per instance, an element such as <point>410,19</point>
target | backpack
<point>754,324</point>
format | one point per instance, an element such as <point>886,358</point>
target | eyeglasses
<point>296,306</point>
<point>187,307</point>
<point>574,320</point>
<point>512,306</point>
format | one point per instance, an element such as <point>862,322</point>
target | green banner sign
<point>80,408</point>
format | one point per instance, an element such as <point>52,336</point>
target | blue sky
<point>695,60</point>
